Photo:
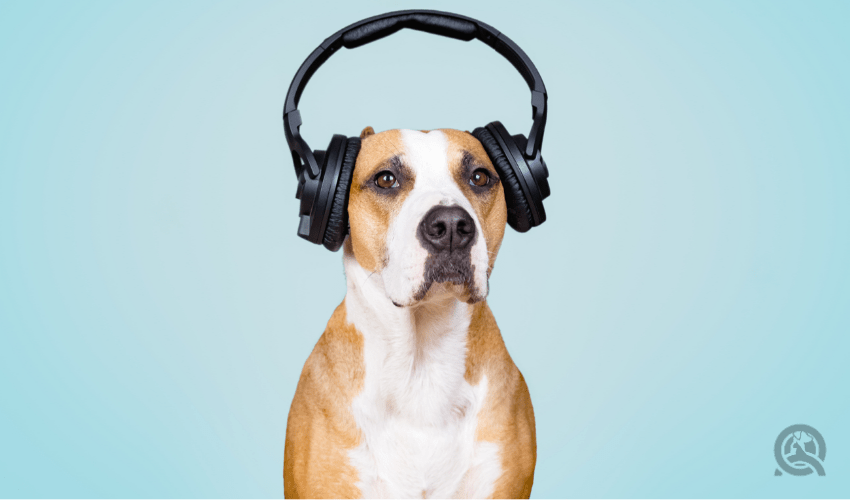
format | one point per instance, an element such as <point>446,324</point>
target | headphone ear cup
<point>519,212</point>
<point>337,227</point>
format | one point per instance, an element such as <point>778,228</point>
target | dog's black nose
<point>446,229</point>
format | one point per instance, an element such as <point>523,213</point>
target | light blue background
<point>686,300</point>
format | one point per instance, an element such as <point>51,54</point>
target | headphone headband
<point>430,21</point>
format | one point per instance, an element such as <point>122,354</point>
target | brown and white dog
<point>410,391</point>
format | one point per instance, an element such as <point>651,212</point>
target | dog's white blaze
<point>427,155</point>
<point>417,414</point>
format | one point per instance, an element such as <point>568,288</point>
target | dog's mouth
<point>455,273</point>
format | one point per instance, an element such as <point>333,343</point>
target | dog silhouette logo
<point>800,450</point>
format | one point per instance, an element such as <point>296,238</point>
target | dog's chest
<point>417,416</point>
<point>423,455</point>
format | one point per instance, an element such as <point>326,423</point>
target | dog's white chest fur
<point>417,414</point>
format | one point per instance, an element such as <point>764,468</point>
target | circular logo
<point>800,450</point>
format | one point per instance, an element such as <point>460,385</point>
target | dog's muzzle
<point>447,233</point>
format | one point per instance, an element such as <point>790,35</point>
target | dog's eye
<point>386,180</point>
<point>480,178</point>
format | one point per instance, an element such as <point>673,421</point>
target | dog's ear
<point>367,132</point>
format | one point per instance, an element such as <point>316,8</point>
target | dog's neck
<point>415,356</point>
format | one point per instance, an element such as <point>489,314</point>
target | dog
<point>410,391</point>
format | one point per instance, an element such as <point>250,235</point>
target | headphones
<point>324,177</point>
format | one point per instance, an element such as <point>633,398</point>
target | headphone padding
<point>519,213</point>
<point>337,226</point>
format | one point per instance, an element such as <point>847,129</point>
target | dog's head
<point>427,214</point>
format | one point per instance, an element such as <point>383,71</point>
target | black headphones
<point>324,177</point>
